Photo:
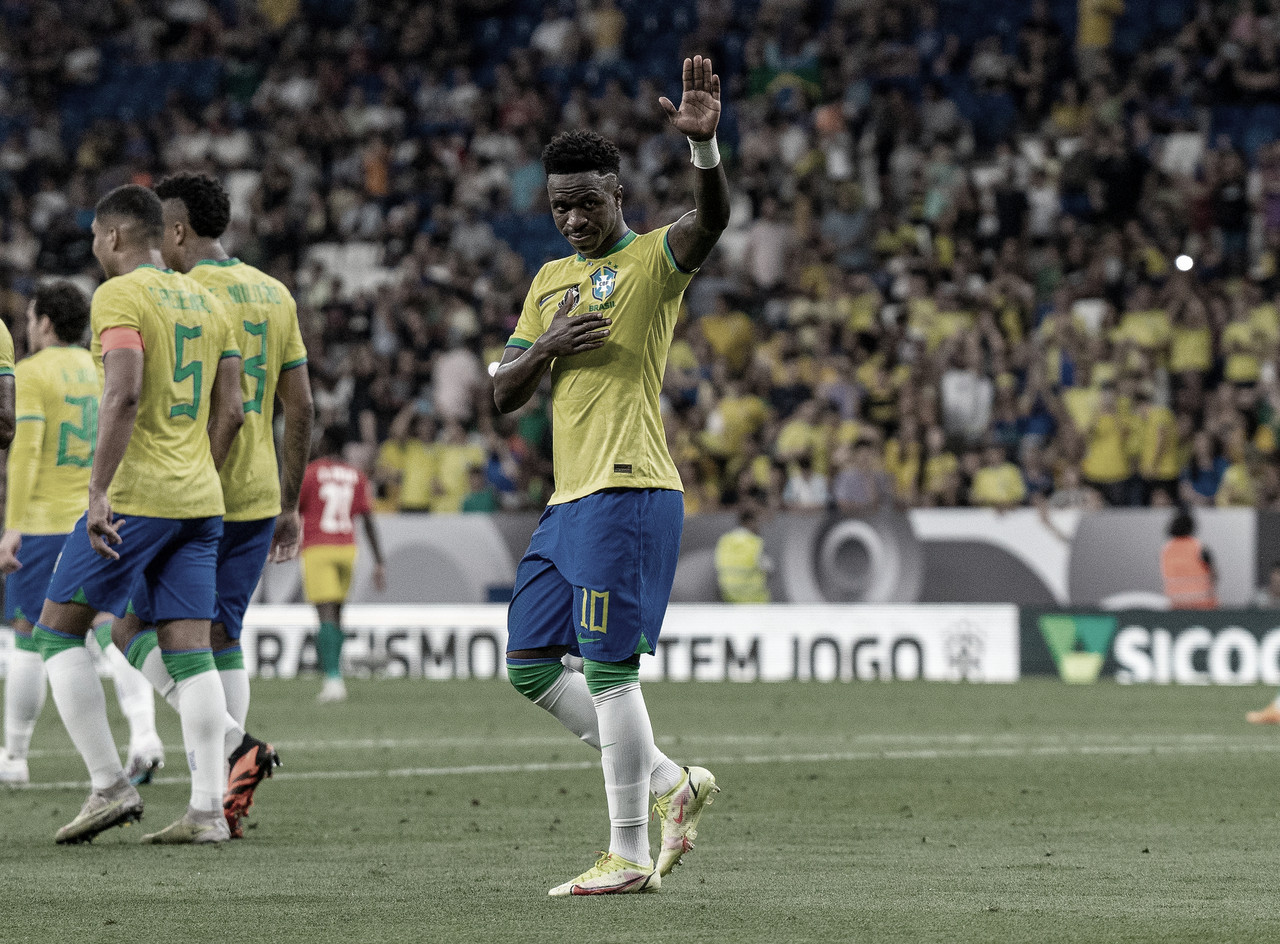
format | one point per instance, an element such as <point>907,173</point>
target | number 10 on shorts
<point>595,603</point>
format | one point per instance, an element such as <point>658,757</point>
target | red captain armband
<point>121,337</point>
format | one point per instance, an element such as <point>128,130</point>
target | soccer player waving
<point>597,576</point>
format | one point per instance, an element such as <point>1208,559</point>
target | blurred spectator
<point>742,567</point>
<point>947,229</point>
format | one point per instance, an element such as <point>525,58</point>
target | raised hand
<point>575,335</point>
<point>699,111</point>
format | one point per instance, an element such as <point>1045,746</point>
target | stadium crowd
<point>1028,254</point>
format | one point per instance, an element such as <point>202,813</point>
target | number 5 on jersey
<point>181,372</point>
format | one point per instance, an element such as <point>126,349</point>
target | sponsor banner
<point>1180,647</point>
<point>698,643</point>
<point>1107,559</point>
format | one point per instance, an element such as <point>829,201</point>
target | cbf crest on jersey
<point>603,282</point>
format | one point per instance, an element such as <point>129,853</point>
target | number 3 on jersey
<point>194,370</point>
<point>255,368</point>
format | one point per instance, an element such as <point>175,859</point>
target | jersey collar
<point>622,243</point>
<point>150,265</point>
<point>218,262</point>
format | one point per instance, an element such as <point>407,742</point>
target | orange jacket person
<point>1190,581</point>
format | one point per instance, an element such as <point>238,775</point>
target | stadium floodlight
<point>1184,263</point>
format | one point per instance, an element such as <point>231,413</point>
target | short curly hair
<point>135,204</point>
<point>66,307</point>
<point>576,152</point>
<point>208,206</point>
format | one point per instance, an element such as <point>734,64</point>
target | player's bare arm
<point>693,236</point>
<point>294,390</point>
<point>520,372</point>
<point>8,424</point>
<point>121,391</point>
<point>375,545</point>
<point>226,409</point>
<point>23,467</point>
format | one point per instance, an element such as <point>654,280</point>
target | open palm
<point>699,110</point>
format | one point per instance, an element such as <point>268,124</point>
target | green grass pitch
<point>879,812</point>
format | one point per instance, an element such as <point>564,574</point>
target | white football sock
<point>666,774</point>
<point>203,710</point>
<point>24,692</point>
<point>77,691</point>
<point>626,754</point>
<point>570,703</point>
<point>235,684</point>
<point>157,673</point>
<point>137,704</point>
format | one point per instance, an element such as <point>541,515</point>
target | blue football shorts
<point>598,573</point>
<point>25,589</point>
<point>170,563</point>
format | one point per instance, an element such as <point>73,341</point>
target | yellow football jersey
<point>264,317</point>
<point>167,470</point>
<point>52,451</point>
<point>605,419</point>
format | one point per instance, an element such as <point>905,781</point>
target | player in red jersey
<point>333,495</point>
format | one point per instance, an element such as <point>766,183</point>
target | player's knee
<point>124,629</point>
<point>532,677</point>
<point>602,676</point>
<point>219,639</point>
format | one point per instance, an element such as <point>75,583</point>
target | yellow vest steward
<point>741,578</point>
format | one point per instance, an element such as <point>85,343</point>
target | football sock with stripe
<point>202,708</point>
<point>77,691</point>
<point>235,682</point>
<point>567,699</point>
<point>24,693</point>
<point>144,654</point>
<point>626,752</point>
<point>133,691</point>
<point>560,691</point>
<point>329,649</point>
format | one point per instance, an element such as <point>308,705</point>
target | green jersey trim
<point>148,265</point>
<point>226,354</point>
<point>621,244</point>
<point>218,262</point>
<point>30,418</point>
<point>6,371</point>
<point>300,362</point>
<point>520,343</point>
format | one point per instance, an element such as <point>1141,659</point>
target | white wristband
<point>706,154</point>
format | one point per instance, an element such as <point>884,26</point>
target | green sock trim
<point>329,648</point>
<point>49,643</point>
<point>186,663</point>
<point>140,647</point>
<point>25,642</point>
<point>602,676</point>
<point>103,633</point>
<point>229,660</point>
<point>532,680</point>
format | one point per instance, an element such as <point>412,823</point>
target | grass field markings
<point>1169,746</point>
<point>671,740</point>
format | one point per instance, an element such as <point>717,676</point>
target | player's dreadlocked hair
<point>208,206</point>
<point>576,152</point>
<point>137,205</point>
<point>66,307</point>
